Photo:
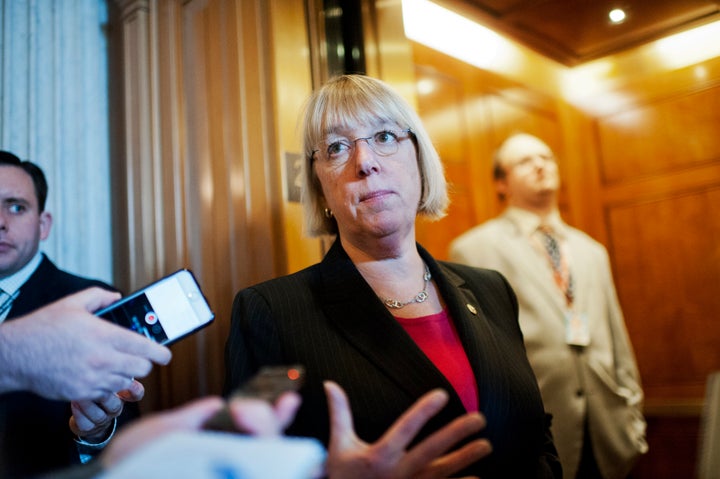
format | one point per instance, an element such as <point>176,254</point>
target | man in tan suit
<point>570,315</point>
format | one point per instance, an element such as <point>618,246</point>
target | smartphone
<point>164,311</point>
<point>268,384</point>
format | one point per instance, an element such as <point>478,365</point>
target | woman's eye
<point>384,137</point>
<point>336,148</point>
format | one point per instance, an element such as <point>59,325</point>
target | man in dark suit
<point>34,432</point>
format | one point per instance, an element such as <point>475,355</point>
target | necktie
<point>558,261</point>
<point>5,303</point>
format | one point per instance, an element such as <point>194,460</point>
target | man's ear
<point>45,225</point>
<point>501,188</point>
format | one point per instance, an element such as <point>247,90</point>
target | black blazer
<point>34,432</point>
<point>327,318</point>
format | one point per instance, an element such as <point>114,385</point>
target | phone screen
<point>164,311</point>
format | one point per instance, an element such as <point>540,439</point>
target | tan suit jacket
<point>600,381</point>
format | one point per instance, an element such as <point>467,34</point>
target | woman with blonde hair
<point>380,325</point>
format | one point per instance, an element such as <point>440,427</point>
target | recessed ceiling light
<point>617,15</point>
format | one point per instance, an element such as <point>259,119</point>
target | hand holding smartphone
<point>268,384</point>
<point>164,311</point>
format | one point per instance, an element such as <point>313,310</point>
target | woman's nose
<point>365,158</point>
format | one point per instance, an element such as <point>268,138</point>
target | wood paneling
<point>666,255</point>
<point>438,104</point>
<point>659,164</point>
<point>673,444</point>
<point>644,141</point>
<point>201,175</point>
<point>230,191</point>
<point>293,84</point>
<point>642,176</point>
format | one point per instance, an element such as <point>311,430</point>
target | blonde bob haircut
<point>351,101</point>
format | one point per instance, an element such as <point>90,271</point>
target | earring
<point>328,213</point>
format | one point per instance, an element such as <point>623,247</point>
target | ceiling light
<point>425,86</point>
<point>690,47</point>
<point>617,15</point>
<point>446,31</point>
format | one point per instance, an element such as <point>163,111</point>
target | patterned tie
<point>561,271</point>
<point>5,303</point>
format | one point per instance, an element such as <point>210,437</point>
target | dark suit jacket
<point>327,318</point>
<point>34,432</point>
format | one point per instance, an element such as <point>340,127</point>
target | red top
<point>436,336</point>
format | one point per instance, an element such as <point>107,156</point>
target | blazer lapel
<point>349,301</point>
<point>475,334</point>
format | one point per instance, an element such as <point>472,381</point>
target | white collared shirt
<point>529,222</point>
<point>12,283</point>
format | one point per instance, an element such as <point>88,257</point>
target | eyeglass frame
<point>369,140</point>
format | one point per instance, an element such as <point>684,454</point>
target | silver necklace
<point>418,298</point>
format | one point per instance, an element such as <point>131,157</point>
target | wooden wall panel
<point>659,164</point>
<point>666,256</point>
<point>440,105</point>
<point>652,139</point>
<point>229,242</point>
<point>201,189</point>
<point>673,446</point>
<point>293,84</point>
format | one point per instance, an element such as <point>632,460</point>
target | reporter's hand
<point>349,457</point>
<point>62,351</point>
<point>253,416</point>
<point>189,417</point>
<point>260,418</point>
<point>92,421</point>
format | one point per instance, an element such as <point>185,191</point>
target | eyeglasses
<point>383,143</point>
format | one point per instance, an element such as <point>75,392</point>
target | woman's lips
<point>375,194</point>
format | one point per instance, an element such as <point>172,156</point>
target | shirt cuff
<point>89,450</point>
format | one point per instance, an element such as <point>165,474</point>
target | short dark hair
<point>35,172</point>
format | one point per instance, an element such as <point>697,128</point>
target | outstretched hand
<point>349,457</point>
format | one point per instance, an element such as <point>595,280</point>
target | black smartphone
<point>268,384</point>
<point>164,311</point>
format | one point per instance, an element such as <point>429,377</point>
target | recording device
<point>268,384</point>
<point>165,311</point>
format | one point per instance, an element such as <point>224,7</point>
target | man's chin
<point>545,192</point>
<point>6,266</point>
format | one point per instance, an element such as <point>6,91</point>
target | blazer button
<point>579,393</point>
<point>471,308</point>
